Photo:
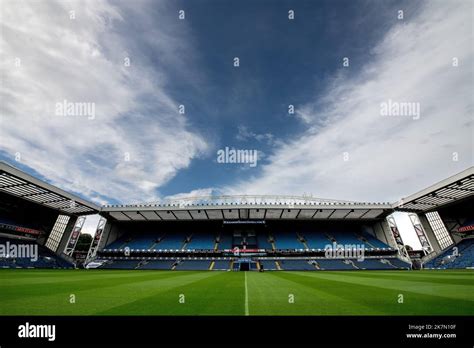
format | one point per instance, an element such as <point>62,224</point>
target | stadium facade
<point>238,232</point>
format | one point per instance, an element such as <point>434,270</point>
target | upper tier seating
<point>29,224</point>
<point>347,237</point>
<point>251,240</point>
<point>466,226</point>
<point>173,241</point>
<point>262,242</point>
<point>136,241</point>
<point>205,241</point>
<point>373,241</point>
<point>225,242</point>
<point>316,240</point>
<point>237,241</point>
<point>286,240</point>
<point>141,241</point>
<point>117,244</point>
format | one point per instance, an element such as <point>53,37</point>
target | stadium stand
<point>158,264</point>
<point>118,244</point>
<point>262,242</point>
<point>286,240</point>
<point>120,264</point>
<point>173,241</point>
<point>371,241</point>
<point>225,242</point>
<point>464,257</point>
<point>268,264</point>
<point>326,264</point>
<point>316,240</point>
<point>333,264</point>
<point>141,241</point>
<point>399,263</point>
<point>45,257</point>
<point>373,264</point>
<point>347,237</point>
<point>202,241</point>
<point>221,265</point>
<point>297,265</point>
<point>193,265</point>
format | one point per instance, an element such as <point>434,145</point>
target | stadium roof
<point>16,182</point>
<point>244,207</point>
<point>249,208</point>
<point>448,191</point>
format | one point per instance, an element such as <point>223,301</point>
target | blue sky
<point>139,148</point>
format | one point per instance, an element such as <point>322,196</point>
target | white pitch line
<point>246,296</point>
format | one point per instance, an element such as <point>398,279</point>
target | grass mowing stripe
<point>383,299</point>
<point>246,296</point>
<point>336,300</point>
<point>91,300</point>
<point>432,279</point>
<point>135,292</point>
<point>63,286</point>
<point>462,292</point>
<point>76,276</point>
<point>446,274</point>
<point>220,294</point>
<point>281,293</point>
<point>157,297</point>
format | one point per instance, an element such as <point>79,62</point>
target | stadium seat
<point>120,264</point>
<point>193,265</point>
<point>262,242</point>
<point>221,265</point>
<point>297,265</point>
<point>447,259</point>
<point>287,240</point>
<point>158,264</point>
<point>201,241</point>
<point>46,258</point>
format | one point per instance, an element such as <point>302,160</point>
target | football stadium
<point>215,172</point>
<point>236,255</point>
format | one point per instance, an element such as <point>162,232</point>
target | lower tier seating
<point>268,264</point>
<point>120,264</point>
<point>373,264</point>
<point>193,265</point>
<point>297,265</point>
<point>449,259</point>
<point>158,264</point>
<point>334,265</point>
<point>221,265</point>
<point>45,257</point>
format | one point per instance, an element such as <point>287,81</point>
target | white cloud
<point>203,192</point>
<point>244,134</point>
<point>81,60</point>
<point>388,157</point>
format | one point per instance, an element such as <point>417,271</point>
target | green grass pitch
<point>116,292</point>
